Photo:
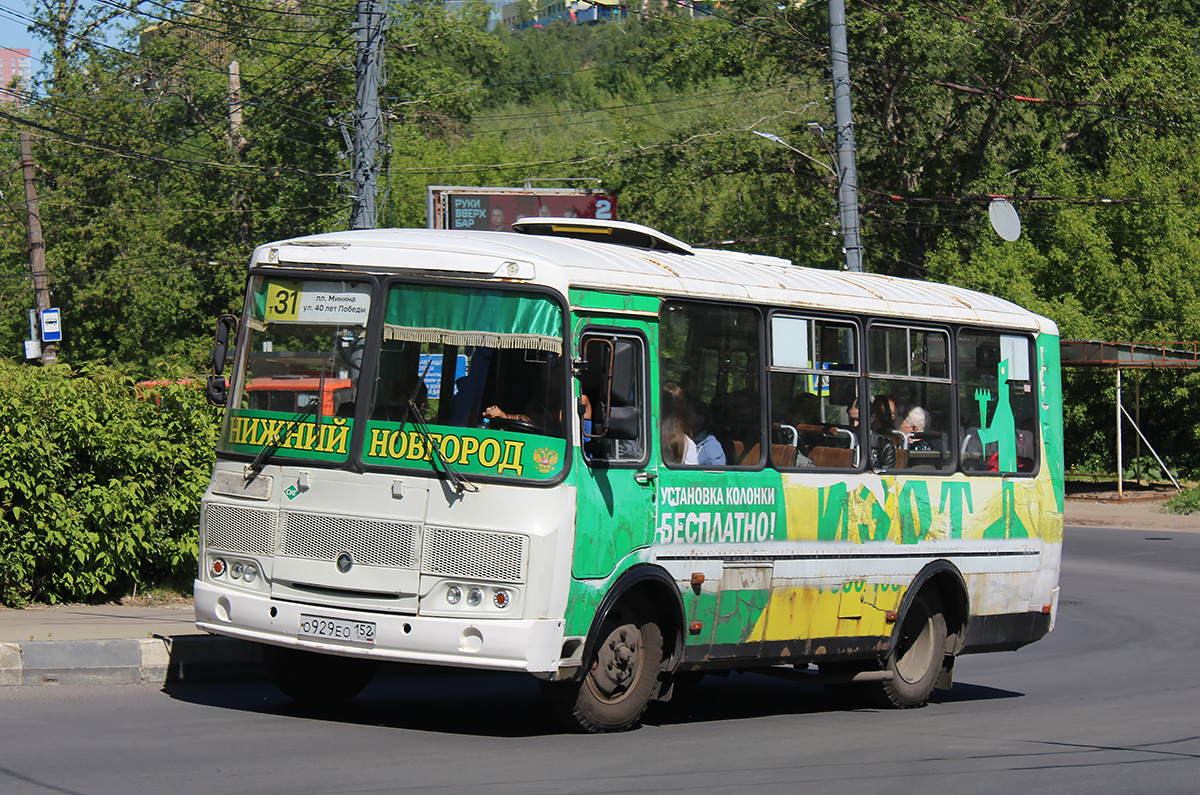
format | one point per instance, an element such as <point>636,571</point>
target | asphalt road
<point>1109,702</point>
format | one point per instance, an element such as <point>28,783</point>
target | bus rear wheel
<point>620,680</point>
<point>317,680</point>
<point>916,659</point>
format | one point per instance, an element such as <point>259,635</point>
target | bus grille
<point>239,529</point>
<point>468,553</point>
<point>371,542</point>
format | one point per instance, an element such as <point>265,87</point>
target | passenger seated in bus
<point>883,450</point>
<point>677,445</point>
<point>708,448</point>
<point>915,422</point>
<point>737,422</point>
<point>805,409</point>
<point>883,417</point>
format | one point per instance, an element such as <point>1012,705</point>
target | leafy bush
<point>1149,469</point>
<point>100,482</point>
<point>1185,502</point>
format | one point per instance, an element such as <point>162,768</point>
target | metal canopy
<point>1131,356</point>
<point>1128,355</point>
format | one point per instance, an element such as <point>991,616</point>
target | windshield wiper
<point>255,467</point>
<point>268,450</point>
<point>456,478</point>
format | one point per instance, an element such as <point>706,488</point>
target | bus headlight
<point>453,594</point>
<point>474,597</point>
<point>242,572</point>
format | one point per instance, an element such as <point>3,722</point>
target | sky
<point>14,18</point>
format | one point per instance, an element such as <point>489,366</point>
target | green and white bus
<point>594,453</point>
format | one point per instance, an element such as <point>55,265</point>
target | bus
<point>643,462</point>
<point>294,393</point>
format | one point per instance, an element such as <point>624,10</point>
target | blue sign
<point>431,367</point>
<point>51,326</point>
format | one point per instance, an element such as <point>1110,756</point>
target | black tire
<point>621,677</point>
<point>917,658</point>
<point>317,680</point>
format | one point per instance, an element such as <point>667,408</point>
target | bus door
<point>615,475</point>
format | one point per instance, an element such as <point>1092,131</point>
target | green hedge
<point>100,483</point>
<point>1184,503</point>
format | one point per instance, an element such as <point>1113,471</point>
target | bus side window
<point>814,385</point>
<point>997,405</point>
<point>909,372</point>
<point>613,384</point>
<point>710,369</point>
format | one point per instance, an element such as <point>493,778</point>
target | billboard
<point>497,208</point>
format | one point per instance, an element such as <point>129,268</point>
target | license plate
<point>358,632</point>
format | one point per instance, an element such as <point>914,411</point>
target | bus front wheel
<point>621,677</point>
<point>916,659</point>
<point>317,680</point>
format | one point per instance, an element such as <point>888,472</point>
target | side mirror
<point>593,379</point>
<point>622,372</point>
<point>216,390</point>
<point>624,422</point>
<point>226,325</point>
<point>608,372</point>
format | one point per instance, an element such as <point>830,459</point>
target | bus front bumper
<point>533,645</point>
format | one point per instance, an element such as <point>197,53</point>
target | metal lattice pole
<point>368,122</point>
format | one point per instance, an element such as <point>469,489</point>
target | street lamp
<point>847,198</point>
<point>781,142</point>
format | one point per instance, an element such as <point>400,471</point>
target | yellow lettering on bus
<point>249,425</point>
<point>489,452</point>
<point>334,439</point>
<point>378,446</point>
<point>512,457</point>
<point>416,447</point>
<point>397,444</point>
<point>450,446</point>
<point>237,430</point>
<point>273,428</point>
<point>470,445</point>
<point>297,435</point>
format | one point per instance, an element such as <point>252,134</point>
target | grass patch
<point>1184,503</point>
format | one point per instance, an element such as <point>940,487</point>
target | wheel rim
<point>618,663</point>
<point>915,656</point>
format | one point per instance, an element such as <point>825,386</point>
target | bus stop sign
<point>51,326</point>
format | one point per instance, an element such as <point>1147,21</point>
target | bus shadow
<point>450,701</point>
<point>756,695</point>
<point>965,692</point>
<point>509,705</point>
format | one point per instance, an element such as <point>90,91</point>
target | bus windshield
<point>480,371</point>
<point>298,374</point>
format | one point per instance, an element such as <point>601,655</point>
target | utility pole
<point>237,143</point>
<point>368,123</point>
<point>37,246</point>
<point>844,120</point>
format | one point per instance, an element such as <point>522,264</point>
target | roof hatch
<point>618,233</point>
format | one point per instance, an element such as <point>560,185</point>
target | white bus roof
<point>566,253</point>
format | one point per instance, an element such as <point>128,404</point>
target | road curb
<point>155,661</point>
